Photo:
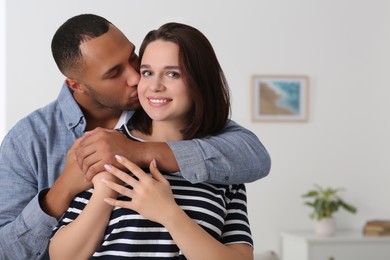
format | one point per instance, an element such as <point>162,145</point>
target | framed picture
<point>280,98</point>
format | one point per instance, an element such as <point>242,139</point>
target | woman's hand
<point>102,189</point>
<point>151,196</point>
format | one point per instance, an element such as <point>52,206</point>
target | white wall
<point>342,45</point>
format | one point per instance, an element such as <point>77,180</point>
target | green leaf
<point>311,193</point>
<point>325,202</point>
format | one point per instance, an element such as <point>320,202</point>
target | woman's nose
<point>156,84</point>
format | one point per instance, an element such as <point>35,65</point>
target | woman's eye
<point>173,74</point>
<point>146,73</point>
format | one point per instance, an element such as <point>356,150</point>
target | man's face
<point>111,72</point>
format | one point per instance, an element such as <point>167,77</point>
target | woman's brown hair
<point>203,74</point>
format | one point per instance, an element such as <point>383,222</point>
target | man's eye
<point>113,74</point>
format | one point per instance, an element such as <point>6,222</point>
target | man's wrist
<point>162,153</point>
<point>54,203</point>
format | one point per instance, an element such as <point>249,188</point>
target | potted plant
<point>325,202</point>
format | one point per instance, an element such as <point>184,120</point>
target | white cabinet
<point>345,245</point>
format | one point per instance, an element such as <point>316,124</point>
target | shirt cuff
<point>190,160</point>
<point>36,219</point>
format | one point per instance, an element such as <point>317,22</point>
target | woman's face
<point>162,91</point>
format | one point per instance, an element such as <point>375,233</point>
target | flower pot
<point>326,227</point>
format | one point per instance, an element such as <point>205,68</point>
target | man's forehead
<point>109,46</point>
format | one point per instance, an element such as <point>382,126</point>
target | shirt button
<point>226,178</point>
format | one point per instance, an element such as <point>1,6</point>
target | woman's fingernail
<point>154,163</point>
<point>107,167</point>
<point>118,157</point>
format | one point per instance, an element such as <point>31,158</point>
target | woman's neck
<point>162,131</point>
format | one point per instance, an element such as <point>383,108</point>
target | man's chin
<point>133,106</point>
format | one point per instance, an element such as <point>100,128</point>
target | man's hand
<point>71,182</point>
<point>98,147</point>
<point>72,173</point>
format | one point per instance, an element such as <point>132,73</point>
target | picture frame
<point>280,98</point>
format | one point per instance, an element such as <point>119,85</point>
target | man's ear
<point>74,85</point>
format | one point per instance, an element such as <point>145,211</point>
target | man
<point>101,70</point>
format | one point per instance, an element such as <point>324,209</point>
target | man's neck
<point>104,119</point>
<point>97,116</point>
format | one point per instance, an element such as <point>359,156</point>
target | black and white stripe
<point>220,209</point>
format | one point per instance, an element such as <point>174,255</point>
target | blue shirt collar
<point>69,107</point>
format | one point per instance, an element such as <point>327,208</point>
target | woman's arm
<point>192,240</point>
<point>152,197</point>
<point>80,238</point>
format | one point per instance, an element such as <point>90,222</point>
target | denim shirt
<point>33,154</point>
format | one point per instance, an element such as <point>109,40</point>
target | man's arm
<point>233,156</point>
<point>99,147</point>
<point>69,183</point>
<point>25,227</point>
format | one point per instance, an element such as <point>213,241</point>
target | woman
<point>184,95</point>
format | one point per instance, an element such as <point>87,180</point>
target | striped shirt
<point>219,209</point>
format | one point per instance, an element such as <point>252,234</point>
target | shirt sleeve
<point>236,228</point>
<point>24,228</point>
<point>233,156</point>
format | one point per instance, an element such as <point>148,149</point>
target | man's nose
<point>132,76</point>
